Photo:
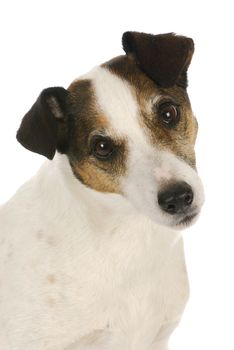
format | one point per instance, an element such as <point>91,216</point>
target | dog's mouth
<point>187,220</point>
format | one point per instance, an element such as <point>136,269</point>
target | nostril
<point>176,198</point>
<point>188,199</point>
<point>171,208</point>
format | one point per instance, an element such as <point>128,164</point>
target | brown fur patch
<point>51,279</point>
<point>87,120</point>
<point>179,140</point>
<point>96,178</point>
<point>51,302</point>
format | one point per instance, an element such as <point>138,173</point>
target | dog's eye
<point>168,113</point>
<point>102,147</point>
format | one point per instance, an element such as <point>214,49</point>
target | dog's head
<point>127,128</point>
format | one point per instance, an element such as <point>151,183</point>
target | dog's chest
<point>135,283</point>
<point>120,287</point>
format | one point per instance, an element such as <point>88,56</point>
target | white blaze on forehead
<point>116,99</point>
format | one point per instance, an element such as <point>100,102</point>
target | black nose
<point>176,198</point>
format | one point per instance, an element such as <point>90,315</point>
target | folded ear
<point>165,58</point>
<point>43,128</point>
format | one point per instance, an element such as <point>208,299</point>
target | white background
<point>49,43</point>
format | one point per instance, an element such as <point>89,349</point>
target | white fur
<point>83,270</point>
<point>114,276</point>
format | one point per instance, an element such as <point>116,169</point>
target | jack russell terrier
<point>91,257</point>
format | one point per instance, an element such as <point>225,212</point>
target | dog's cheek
<point>194,130</point>
<point>186,151</point>
<point>96,178</point>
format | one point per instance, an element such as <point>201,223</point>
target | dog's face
<point>127,127</point>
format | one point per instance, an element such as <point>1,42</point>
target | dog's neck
<point>65,192</point>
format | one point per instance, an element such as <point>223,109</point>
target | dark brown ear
<point>43,128</point>
<point>164,58</point>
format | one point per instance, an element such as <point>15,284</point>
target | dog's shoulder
<point>21,213</point>
<point>14,210</point>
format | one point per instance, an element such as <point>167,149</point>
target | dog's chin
<point>176,222</point>
<point>187,221</point>
<point>183,222</point>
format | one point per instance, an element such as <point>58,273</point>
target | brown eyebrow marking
<point>87,120</point>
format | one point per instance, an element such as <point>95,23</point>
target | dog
<point>91,254</point>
